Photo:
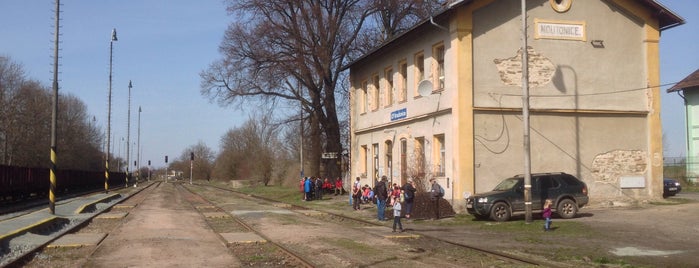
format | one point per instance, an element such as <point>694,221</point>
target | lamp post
<point>54,116</point>
<point>109,113</point>
<point>128,137</point>
<point>525,118</point>
<point>191,166</point>
<point>138,147</point>
<point>119,155</point>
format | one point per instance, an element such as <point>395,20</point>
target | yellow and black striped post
<point>109,114</point>
<point>52,189</point>
<point>54,115</point>
<point>106,177</point>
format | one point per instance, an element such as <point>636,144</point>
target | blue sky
<point>164,44</point>
<point>162,47</point>
<point>678,59</point>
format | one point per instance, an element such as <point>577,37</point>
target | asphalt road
<point>658,235</point>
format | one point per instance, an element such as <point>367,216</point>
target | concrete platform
<point>112,216</point>
<point>216,215</point>
<point>122,206</point>
<point>90,205</point>
<point>64,211</point>
<point>312,213</point>
<point>77,240</point>
<point>401,235</point>
<point>282,205</point>
<point>203,207</point>
<point>242,238</point>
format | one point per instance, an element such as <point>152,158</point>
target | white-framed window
<point>363,100</point>
<point>388,91</point>
<point>376,94</point>
<point>438,72</point>
<point>439,155</point>
<point>403,73</point>
<point>419,66</point>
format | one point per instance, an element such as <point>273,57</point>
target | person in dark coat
<point>381,194</point>
<point>409,197</point>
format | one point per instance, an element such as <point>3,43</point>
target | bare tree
<point>396,16</point>
<point>79,138</point>
<point>25,121</point>
<point>293,52</point>
<point>418,168</point>
<point>253,151</point>
<point>202,165</point>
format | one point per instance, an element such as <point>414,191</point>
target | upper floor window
<point>377,92</point>
<point>363,97</point>
<point>388,74</point>
<point>419,69</point>
<point>403,73</point>
<point>438,74</point>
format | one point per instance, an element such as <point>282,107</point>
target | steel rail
<point>496,254</point>
<point>300,259</point>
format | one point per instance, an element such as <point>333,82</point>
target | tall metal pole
<point>109,114</point>
<point>191,167</point>
<point>54,116</point>
<point>138,147</point>
<point>301,147</point>
<point>119,155</point>
<point>128,137</point>
<point>525,119</point>
<point>166,169</point>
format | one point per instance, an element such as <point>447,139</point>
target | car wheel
<point>500,212</point>
<point>567,209</point>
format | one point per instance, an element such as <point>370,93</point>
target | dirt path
<point>165,231</point>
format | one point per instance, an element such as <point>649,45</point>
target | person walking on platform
<point>381,194</point>
<point>409,196</point>
<point>356,194</point>
<point>307,189</point>
<point>318,184</point>
<point>396,214</point>
<point>436,193</point>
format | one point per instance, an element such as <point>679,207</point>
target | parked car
<point>567,192</point>
<point>671,187</point>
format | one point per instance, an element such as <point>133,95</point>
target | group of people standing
<point>385,194</point>
<point>313,188</point>
<point>397,196</point>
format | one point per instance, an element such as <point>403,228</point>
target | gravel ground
<point>662,234</point>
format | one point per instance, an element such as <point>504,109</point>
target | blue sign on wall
<point>399,114</point>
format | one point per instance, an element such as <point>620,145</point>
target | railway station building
<point>444,99</point>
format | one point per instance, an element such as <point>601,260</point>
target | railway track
<point>297,260</point>
<point>299,236</point>
<point>357,224</point>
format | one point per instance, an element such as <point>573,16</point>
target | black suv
<point>567,192</point>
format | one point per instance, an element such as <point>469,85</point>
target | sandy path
<point>163,231</point>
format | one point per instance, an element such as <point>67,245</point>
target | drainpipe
<point>437,25</point>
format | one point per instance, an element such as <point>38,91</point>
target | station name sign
<point>563,30</point>
<point>399,114</point>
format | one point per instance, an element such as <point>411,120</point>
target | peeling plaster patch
<point>632,251</point>
<point>609,167</point>
<point>541,69</point>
